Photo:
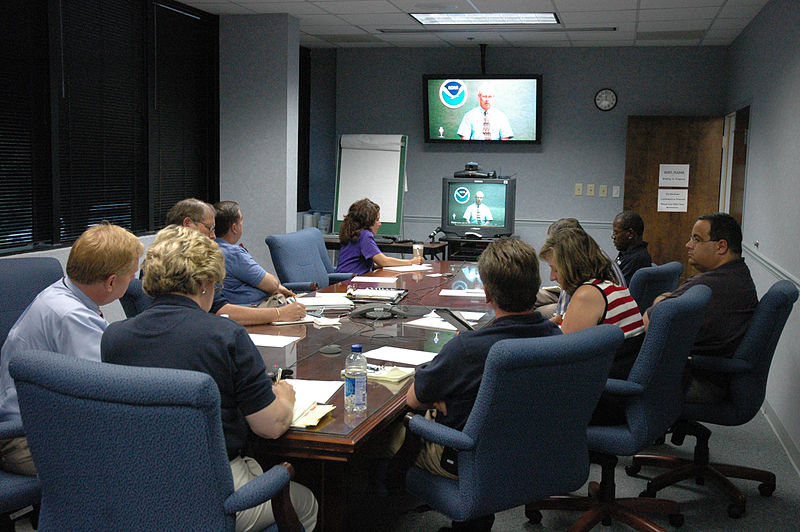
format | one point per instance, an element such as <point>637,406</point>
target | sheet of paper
<point>435,322</point>
<point>304,319</point>
<point>311,390</point>
<point>371,279</point>
<point>410,268</point>
<point>270,340</point>
<point>469,292</point>
<point>400,355</point>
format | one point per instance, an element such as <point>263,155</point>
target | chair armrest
<point>438,433</point>
<point>302,286</point>
<point>334,278</point>
<point>622,388</point>
<point>719,364</point>
<point>11,429</point>
<point>274,485</point>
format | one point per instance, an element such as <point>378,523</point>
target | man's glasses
<point>209,227</point>
<point>695,239</point>
<point>217,288</point>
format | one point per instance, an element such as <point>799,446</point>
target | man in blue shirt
<point>66,318</point>
<point>246,282</point>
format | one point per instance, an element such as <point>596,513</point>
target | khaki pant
<point>429,457</point>
<point>15,457</point>
<point>244,470</point>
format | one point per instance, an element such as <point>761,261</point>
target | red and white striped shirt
<point>621,309</point>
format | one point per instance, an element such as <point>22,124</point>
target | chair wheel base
<point>676,520</point>
<point>650,494</point>
<point>735,511</point>
<point>633,470</point>
<point>534,516</point>
<point>766,489</point>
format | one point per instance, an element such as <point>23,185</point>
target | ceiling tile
<point>674,25</point>
<point>512,6</point>
<point>678,14</point>
<point>579,17</point>
<point>366,6</point>
<point>595,5</point>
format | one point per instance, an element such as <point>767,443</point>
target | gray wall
<point>380,91</point>
<point>765,74</point>
<point>259,79</point>
<point>323,141</point>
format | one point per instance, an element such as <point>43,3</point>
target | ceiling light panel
<point>485,18</point>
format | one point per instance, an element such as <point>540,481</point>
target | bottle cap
<point>355,348</point>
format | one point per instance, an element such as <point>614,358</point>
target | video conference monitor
<point>484,108</point>
<point>477,207</point>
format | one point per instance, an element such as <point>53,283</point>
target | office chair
<point>748,369</point>
<point>653,398</point>
<point>131,448</point>
<point>21,280</point>
<point>526,435</point>
<point>134,300</point>
<point>649,283</point>
<point>16,491</point>
<point>301,260</point>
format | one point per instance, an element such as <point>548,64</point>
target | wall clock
<point>605,99</point>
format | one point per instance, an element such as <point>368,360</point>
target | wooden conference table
<point>324,456</point>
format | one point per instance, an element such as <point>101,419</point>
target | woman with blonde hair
<point>181,271</point>
<point>582,269</point>
<point>357,235</point>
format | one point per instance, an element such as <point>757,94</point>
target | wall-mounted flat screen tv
<point>483,108</point>
<point>478,208</point>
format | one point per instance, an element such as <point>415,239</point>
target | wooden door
<point>739,167</point>
<point>655,140</point>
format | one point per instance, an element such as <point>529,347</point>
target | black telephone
<point>377,311</point>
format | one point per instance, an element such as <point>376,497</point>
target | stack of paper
<point>326,301</point>
<point>373,279</point>
<point>310,399</point>
<point>400,355</point>
<point>410,268</point>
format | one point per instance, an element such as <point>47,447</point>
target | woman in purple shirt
<point>357,235</point>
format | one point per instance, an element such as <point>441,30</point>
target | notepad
<point>310,399</point>
<point>409,268</point>
<point>371,279</point>
<point>326,301</point>
<point>271,340</point>
<point>469,292</point>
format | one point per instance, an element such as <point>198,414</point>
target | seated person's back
<point>628,229</point>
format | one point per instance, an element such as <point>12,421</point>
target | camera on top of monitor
<point>472,169</point>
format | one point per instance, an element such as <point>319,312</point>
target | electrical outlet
<point>579,189</point>
<point>615,191</point>
<point>590,189</point>
<point>603,191</point>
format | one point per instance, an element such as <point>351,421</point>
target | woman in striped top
<point>586,274</point>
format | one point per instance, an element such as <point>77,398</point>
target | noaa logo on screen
<point>461,195</point>
<point>453,93</point>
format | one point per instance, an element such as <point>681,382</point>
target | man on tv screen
<point>478,213</point>
<point>485,122</point>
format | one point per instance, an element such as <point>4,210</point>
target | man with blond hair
<point>66,318</point>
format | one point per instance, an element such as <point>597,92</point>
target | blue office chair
<point>16,491</point>
<point>649,283</point>
<point>653,398</point>
<point>21,280</point>
<point>130,448</point>
<point>748,369</point>
<point>526,435</point>
<point>301,259</point>
<point>134,300</point>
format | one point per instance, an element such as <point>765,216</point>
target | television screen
<point>478,207</point>
<point>483,108</point>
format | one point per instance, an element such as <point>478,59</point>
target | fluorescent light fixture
<point>485,18</point>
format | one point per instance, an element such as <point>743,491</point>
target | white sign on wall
<point>673,175</point>
<point>672,200</point>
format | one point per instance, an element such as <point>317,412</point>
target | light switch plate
<point>590,189</point>
<point>602,191</point>
<point>615,191</point>
<point>579,189</point>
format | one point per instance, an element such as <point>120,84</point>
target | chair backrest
<point>300,256</point>
<point>659,367</point>
<point>529,419</point>
<point>16,491</point>
<point>747,389</point>
<point>21,280</point>
<point>134,300</point>
<point>123,448</point>
<point>649,283</point>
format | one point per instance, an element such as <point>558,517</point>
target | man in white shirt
<point>478,213</point>
<point>66,318</point>
<point>485,122</point>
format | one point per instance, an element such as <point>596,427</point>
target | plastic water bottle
<point>355,380</point>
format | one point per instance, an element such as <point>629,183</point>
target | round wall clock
<point>605,99</point>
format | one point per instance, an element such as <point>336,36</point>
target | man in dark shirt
<point>715,249</point>
<point>627,232</point>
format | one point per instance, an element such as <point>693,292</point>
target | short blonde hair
<point>179,260</point>
<point>102,250</point>
<point>577,257</point>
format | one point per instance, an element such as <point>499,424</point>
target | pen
<point>278,376</point>
<point>373,367</point>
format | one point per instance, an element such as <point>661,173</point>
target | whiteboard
<point>372,166</point>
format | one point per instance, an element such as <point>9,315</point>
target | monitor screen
<point>483,108</point>
<point>478,207</point>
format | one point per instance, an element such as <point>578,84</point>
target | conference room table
<point>324,456</point>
